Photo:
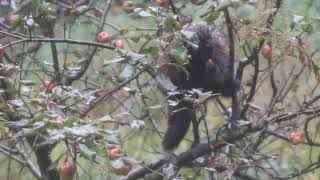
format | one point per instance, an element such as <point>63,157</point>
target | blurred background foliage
<point>143,98</point>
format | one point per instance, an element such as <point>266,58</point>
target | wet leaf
<point>84,150</point>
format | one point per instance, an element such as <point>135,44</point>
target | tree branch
<point>91,52</point>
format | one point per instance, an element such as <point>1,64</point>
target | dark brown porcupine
<point>208,69</point>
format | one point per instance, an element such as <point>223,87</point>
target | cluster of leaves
<point>52,114</point>
<point>60,84</point>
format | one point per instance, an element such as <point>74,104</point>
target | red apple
<point>13,20</point>
<point>114,153</point>
<point>51,105</point>
<point>195,2</point>
<point>296,137</point>
<point>103,37</point>
<point>122,168</point>
<point>47,85</point>
<point>266,51</point>
<point>119,43</point>
<point>67,170</point>
<point>210,61</point>
<point>1,52</point>
<point>161,2</point>
<point>60,119</point>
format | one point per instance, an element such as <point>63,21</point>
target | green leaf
<point>308,28</point>
<point>53,137</point>
<point>213,16</point>
<point>25,132</point>
<point>86,152</point>
<point>152,50</point>
<point>16,102</point>
<point>172,24</point>
<point>165,81</point>
<point>105,118</point>
<point>43,116</point>
<point>188,34</point>
<point>297,18</point>
<point>35,3</point>
<point>29,82</point>
<point>71,121</point>
<point>127,72</point>
<point>14,5</point>
<point>83,131</point>
<point>117,163</point>
<point>158,106</point>
<point>20,124</point>
<point>116,59</point>
<point>242,122</point>
<point>143,13</point>
<point>111,136</point>
<point>134,56</point>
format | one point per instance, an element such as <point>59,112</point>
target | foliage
<point>67,96</point>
